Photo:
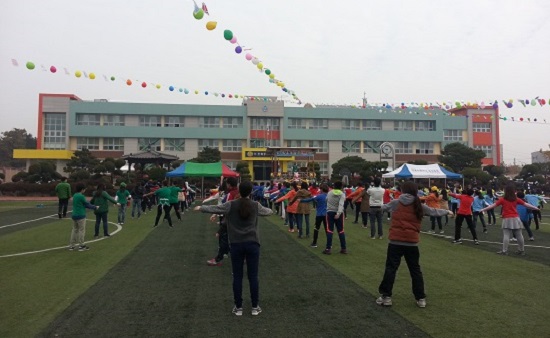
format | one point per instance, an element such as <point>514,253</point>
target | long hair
<point>490,192</point>
<point>444,195</point>
<point>510,193</point>
<point>100,189</point>
<point>411,188</point>
<point>245,188</point>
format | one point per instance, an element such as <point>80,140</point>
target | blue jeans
<point>122,213</point>
<point>136,204</point>
<point>299,221</point>
<point>98,219</point>
<point>339,224</point>
<point>375,214</point>
<point>249,251</point>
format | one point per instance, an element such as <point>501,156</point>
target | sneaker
<point>384,301</point>
<point>513,239</point>
<point>441,232</point>
<point>531,238</point>
<point>388,218</point>
<point>213,262</point>
<point>155,225</point>
<point>327,251</point>
<point>344,251</point>
<point>107,235</point>
<point>83,248</point>
<point>96,237</point>
<point>171,225</point>
<point>71,248</point>
<point>504,253</point>
<point>459,241</point>
<point>313,245</point>
<point>421,303</point>
<point>431,232</point>
<point>476,242</point>
<point>520,253</point>
<point>484,231</point>
<point>355,222</point>
<point>256,310</point>
<point>380,237</point>
<point>372,237</point>
<point>59,216</point>
<point>237,311</point>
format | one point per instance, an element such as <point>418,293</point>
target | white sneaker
<point>421,303</point>
<point>442,232</point>
<point>238,311</point>
<point>256,310</point>
<point>384,301</point>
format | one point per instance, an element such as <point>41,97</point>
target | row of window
<point>366,147</point>
<point>156,121</point>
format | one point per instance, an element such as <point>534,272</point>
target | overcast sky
<point>326,51</point>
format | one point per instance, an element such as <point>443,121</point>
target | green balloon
<point>30,65</point>
<point>112,78</point>
<point>267,72</point>
<point>198,14</point>
<point>227,34</point>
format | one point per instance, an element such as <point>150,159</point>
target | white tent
<point>429,171</point>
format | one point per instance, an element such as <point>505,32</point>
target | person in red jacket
<point>464,213</point>
<point>404,235</point>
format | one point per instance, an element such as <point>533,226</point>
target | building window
<point>318,124</point>
<point>296,124</point>
<point>145,144</point>
<point>402,125</point>
<point>403,147</point>
<point>481,127</point>
<point>323,168</point>
<point>371,147</point>
<point>87,119</point>
<point>113,120</point>
<point>262,123</point>
<point>291,166</point>
<point>262,143</point>
<point>232,122</point>
<point>452,135</point>
<point>208,143</point>
<point>372,125</point>
<point>90,143</point>
<point>54,131</point>
<point>297,143</point>
<point>232,145</point>
<point>174,121</point>
<point>351,147</point>
<point>488,150</point>
<point>174,144</point>
<point>322,145</point>
<point>209,122</point>
<point>424,125</point>
<point>231,164</point>
<point>425,148</point>
<point>149,121</point>
<point>351,124</point>
<point>113,143</point>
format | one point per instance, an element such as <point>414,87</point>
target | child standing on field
<point>122,197</point>
<point>511,224</point>
<point>464,213</point>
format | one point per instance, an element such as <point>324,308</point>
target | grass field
<point>154,282</point>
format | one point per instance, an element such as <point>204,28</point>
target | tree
<point>457,156</point>
<point>157,173</point>
<point>43,171</point>
<point>494,170</point>
<point>347,166</point>
<point>81,160</point>
<point>476,176</point>
<point>207,155</point>
<point>15,139</point>
<point>244,172</point>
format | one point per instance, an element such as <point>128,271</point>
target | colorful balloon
<point>129,82</point>
<point>223,95</point>
<point>533,102</point>
<point>255,61</point>
<point>238,49</point>
<point>186,91</point>
<point>158,86</point>
<point>267,71</point>
<point>198,14</point>
<point>196,91</point>
<point>91,76</point>
<point>144,84</point>
<point>272,76</point>
<point>78,73</point>
<point>53,69</point>
<point>228,35</point>
<point>205,93</point>
<point>495,105</point>
<point>181,90</point>
<point>113,78</point>
<point>211,25</point>
<point>30,65</point>
<point>260,66</point>
<point>233,40</point>
<point>248,56</point>
<point>171,88</point>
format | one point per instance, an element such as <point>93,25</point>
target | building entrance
<point>262,170</point>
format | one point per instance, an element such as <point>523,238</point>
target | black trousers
<point>458,226</point>
<point>318,221</point>
<point>393,260</point>
<point>64,204</point>
<point>166,209</point>
<point>223,245</point>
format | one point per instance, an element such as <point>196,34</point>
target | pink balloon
<point>53,69</point>
<point>248,56</point>
<point>234,40</point>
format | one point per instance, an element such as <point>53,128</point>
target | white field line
<point>32,220</point>
<point>119,228</point>
<point>488,242</point>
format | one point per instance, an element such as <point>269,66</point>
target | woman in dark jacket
<point>101,199</point>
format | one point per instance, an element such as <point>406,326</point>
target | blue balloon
<point>181,90</point>
<point>223,95</point>
<point>205,93</point>
<point>186,91</point>
<point>171,88</point>
<point>238,49</point>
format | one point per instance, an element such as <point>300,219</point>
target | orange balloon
<point>129,82</point>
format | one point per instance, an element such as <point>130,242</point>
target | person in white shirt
<point>376,197</point>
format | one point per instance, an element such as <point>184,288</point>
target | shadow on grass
<point>165,288</point>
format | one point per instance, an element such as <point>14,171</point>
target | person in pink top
<point>464,213</point>
<point>511,224</point>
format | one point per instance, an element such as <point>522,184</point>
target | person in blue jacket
<point>525,215</point>
<point>321,212</point>
<point>478,204</point>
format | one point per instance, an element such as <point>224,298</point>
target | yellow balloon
<point>91,76</point>
<point>78,73</point>
<point>260,65</point>
<point>158,86</point>
<point>196,91</point>
<point>281,84</point>
<point>271,76</point>
<point>211,25</point>
<point>511,100</point>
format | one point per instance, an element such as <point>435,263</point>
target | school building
<point>244,132</point>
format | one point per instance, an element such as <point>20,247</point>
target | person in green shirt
<point>101,199</point>
<point>174,202</point>
<point>63,192</point>
<point>79,219</point>
<point>163,198</point>
<point>122,197</point>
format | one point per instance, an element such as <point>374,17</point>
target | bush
<point>28,189</point>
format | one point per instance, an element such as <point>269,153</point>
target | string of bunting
<point>199,12</point>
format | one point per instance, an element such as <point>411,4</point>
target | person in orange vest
<point>357,192</point>
<point>432,200</point>
<point>290,209</point>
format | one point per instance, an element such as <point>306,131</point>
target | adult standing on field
<point>79,218</point>
<point>63,192</point>
<point>101,199</point>
<point>335,209</point>
<point>241,216</point>
<point>376,199</point>
<point>404,235</point>
<point>162,196</point>
<point>122,197</point>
